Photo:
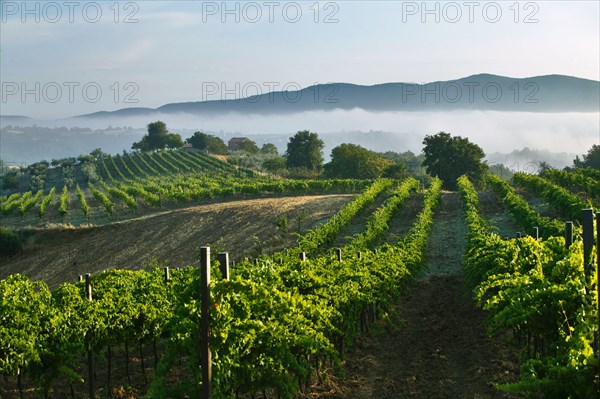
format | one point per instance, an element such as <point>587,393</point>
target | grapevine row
<point>558,198</point>
<point>575,182</point>
<point>537,289</point>
<point>524,214</point>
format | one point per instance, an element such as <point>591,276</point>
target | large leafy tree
<point>305,150</point>
<point>356,162</point>
<point>450,157</point>
<point>269,148</point>
<point>158,138</point>
<point>590,160</point>
<point>210,143</point>
<point>249,146</point>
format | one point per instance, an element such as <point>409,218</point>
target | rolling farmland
<point>294,312</point>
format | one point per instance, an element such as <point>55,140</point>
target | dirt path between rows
<point>440,348</point>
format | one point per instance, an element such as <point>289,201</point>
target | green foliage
<point>173,141</point>
<point>324,235</point>
<point>28,203</point>
<point>210,143</point>
<point>116,168</point>
<point>85,208</point>
<point>590,160</point>
<point>501,171</point>
<point>305,150</point>
<point>396,171</point>
<point>67,170</point>
<point>356,162</point>
<point>377,223</point>
<point>523,214</point>
<point>102,199</point>
<point>23,308</point>
<point>89,171</point>
<point>37,175</point>
<point>139,171</point>
<point>64,201</point>
<point>249,146</point>
<point>164,177</point>
<point>105,170</point>
<point>13,202</point>
<point>536,289</point>
<point>270,149</point>
<point>119,194</point>
<point>559,198</point>
<point>10,180</point>
<point>124,165</point>
<point>158,138</point>
<point>271,323</point>
<point>585,187</point>
<point>45,202</point>
<point>140,157</point>
<point>449,157</point>
<point>275,164</point>
<point>414,163</point>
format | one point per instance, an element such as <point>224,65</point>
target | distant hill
<point>549,93</point>
<point>15,120</point>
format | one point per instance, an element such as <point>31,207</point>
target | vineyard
<point>283,323</point>
<point>133,184</point>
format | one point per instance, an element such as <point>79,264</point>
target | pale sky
<point>65,58</point>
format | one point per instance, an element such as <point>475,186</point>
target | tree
<point>249,146</point>
<point>305,150</point>
<point>275,164</point>
<point>544,167</point>
<point>450,157</point>
<point>173,140</point>
<point>10,179</point>
<point>207,142</point>
<point>352,161</point>
<point>97,153</point>
<point>396,171</point>
<point>269,148</point>
<point>158,138</point>
<point>82,159</point>
<point>591,159</point>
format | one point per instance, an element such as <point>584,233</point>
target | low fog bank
<point>496,132</point>
<point>493,131</point>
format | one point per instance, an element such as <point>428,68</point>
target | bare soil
<point>243,228</point>
<point>440,349</point>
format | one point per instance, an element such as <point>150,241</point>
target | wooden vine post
<point>588,239</point>
<point>91,385</point>
<point>587,223</point>
<point>568,234</point>
<point>223,258</point>
<point>598,278</point>
<point>205,354</point>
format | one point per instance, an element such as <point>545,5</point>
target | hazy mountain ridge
<point>484,92</point>
<point>564,110</point>
<point>549,93</point>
